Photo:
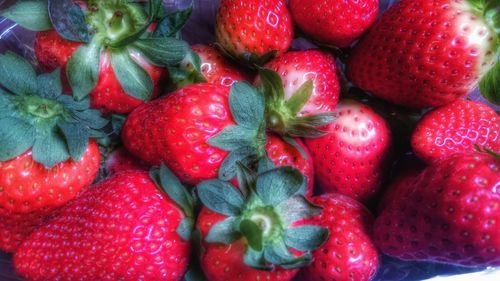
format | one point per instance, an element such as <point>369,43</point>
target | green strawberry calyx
<point>264,211</point>
<point>167,182</point>
<point>34,114</point>
<point>283,115</point>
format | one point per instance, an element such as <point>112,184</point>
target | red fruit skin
<point>296,67</point>
<point>124,228</point>
<point>448,214</point>
<point>174,130</point>
<point>225,262</point>
<point>456,127</point>
<point>349,253</point>
<point>397,188</point>
<point>216,69</point>
<point>254,26</point>
<point>353,158</point>
<point>334,22</point>
<point>121,160</point>
<point>53,51</point>
<point>422,53</point>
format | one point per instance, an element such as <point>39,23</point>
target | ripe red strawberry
<point>201,130</point>
<point>121,160</point>
<point>427,53</point>
<point>254,31</point>
<point>397,188</point>
<point>216,69</point>
<point>456,127</point>
<point>352,159</point>
<point>251,233</point>
<point>349,253</point>
<point>448,214</point>
<point>47,155</point>
<point>110,51</point>
<point>333,22</point>
<point>124,228</point>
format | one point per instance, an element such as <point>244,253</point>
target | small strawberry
<point>448,214</point>
<point>111,51</point>
<point>456,127</point>
<point>202,130</point>
<point>250,233</point>
<point>353,158</point>
<point>349,253</point>
<point>424,53</point>
<point>254,31</point>
<point>47,154</point>
<point>121,160</point>
<point>216,69</point>
<point>334,22</point>
<point>124,228</point>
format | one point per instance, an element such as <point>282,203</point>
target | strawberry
<point>303,91</point>
<point>111,51</point>
<point>124,228</point>
<point>121,160</point>
<point>456,127</point>
<point>349,253</point>
<point>333,22</point>
<point>448,214</point>
<point>201,130</point>
<point>47,154</point>
<point>397,188</point>
<point>428,53</point>
<point>250,233</point>
<point>254,31</point>
<point>216,69</point>
<point>352,159</point>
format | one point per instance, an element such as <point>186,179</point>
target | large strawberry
<point>124,228</point>
<point>349,253</point>
<point>47,155</point>
<point>107,48</point>
<point>354,156</point>
<point>334,22</point>
<point>449,213</point>
<point>456,127</point>
<point>255,232</point>
<point>430,52</point>
<point>201,130</point>
<point>254,31</point>
<point>121,160</point>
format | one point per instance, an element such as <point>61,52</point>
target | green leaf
<point>272,84</point>
<point>134,79</point>
<point>16,136</point>
<point>245,155</point>
<point>17,75</point>
<point>306,237</point>
<point>253,234</point>
<point>68,20</point>
<point>233,137</point>
<point>221,197</point>
<point>49,84</point>
<point>304,131</point>
<point>49,149</point>
<point>247,105</point>
<point>163,51</point>
<point>32,15</point>
<point>185,228</point>
<point>317,120</point>
<point>265,164</point>
<point>91,118</point>
<point>255,259</point>
<point>278,254</point>
<point>246,178</point>
<point>300,97</point>
<point>172,23</point>
<point>70,103</point>
<point>175,190</point>
<point>225,231</point>
<point>82,69</point>
<point>76,137</point>
<point>278,185</point>
<point>490,85</point>
<point>297,208</point>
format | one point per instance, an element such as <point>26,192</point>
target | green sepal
<point>185,228</point>
<point>76,138</point>
<point>82,69</point>
<point>90,118</point>
<point>297,208</point>
<point>50,149</point>
<point>306,237</point>
<point>16,136</point>
<point>32,15</point>
<point>300,97</point>
<point>271,84</point>
<point>68,20</point>
<point>246,178</point>
<point>221,197</point>
<point>278,253</point>
<point>247,105</point>
<point>478,148</point>
<point>233,137</point>
<point>17,75</point>
<point>490,85</point>
<point>291,141</point>
<point>117,122</point>
<point>225,231</point>
<point>163,51</point>
<point>172,23</point>
<point>253,234</point>
<point>134,80</point>
<point>276,186</point>
<point>253,59</point>
<point>255,259</point>
<point>49,85</point>
<point>245,155</point>
<point>265,164</point>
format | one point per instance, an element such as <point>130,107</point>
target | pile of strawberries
<point>128,154</point>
